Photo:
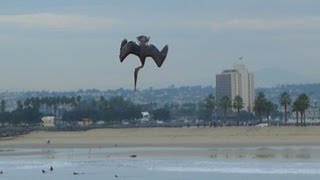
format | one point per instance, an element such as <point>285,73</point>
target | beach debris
<point>133,155</point>
<point>76,173</point>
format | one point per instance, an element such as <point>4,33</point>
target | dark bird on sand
<point>43,171</point>
<point>143,50</point>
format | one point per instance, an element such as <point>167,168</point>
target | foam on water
<point>259,167</point>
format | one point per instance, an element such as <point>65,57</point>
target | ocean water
<point>107,164</point>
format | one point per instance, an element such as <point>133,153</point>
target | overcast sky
<point>72,44</point>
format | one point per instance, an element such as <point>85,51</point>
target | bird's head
<point>143,40</point>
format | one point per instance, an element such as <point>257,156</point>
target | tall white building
<point>234,82</point>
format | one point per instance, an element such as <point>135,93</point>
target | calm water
<point>101,164</point>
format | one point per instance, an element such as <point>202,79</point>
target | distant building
<point>234,82</point>
<point>145,116</point>
<point>48,121</point>
<point>85,122</point>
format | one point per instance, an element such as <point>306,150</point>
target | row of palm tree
<point>51,104</point>
<point>262,106</point>
<point>225,103</point>
<point>300,105</point>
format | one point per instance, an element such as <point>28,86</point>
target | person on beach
<point>51,168</point>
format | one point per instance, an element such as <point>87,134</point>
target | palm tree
<point>225,104</point>
<point>303,104</point>
<point>238,105</point>
<point>295,108</point>
<point>210,105</point>
<point>260,105</point>
<point>269,108</point>
<point>285,101</point>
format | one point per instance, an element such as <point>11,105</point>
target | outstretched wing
<point>127,48</point>
<point>156,55</point>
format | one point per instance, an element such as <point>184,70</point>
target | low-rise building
<point>85,122</point>
<point>48,121</point>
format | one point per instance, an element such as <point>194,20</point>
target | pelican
<point>143,50</point>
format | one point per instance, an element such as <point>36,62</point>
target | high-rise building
<point>234,82</point>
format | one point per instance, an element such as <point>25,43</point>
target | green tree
<point>260,105</point>
<point>161,114</point>
<point>225,104</point>
<point>285,101</point>
<point>3,106</point>
<point>188,109</point>
<point>78,99</point>
<point>238,105</point>
<point>303,104</point>
<point>269,107</point>
<point>295,108</point>
<point>210,105</point>
<point>19,105</point>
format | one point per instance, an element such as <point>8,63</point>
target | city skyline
<point>59,45</point>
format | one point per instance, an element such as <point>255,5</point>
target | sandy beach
<point>169,137</point>
<point>165,153</point>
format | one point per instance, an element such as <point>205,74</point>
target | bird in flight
<point>143,50</point>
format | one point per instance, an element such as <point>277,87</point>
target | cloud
<point>58,21</point>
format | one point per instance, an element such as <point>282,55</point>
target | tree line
<point>117,109</point>
<point>263,108</point>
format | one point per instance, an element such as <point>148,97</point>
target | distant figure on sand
<point>48,142</point>
<point>1,172</point>
<point>51,168</point>
<point>116,176</point>
<point>43,171</point>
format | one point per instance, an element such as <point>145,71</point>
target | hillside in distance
<point>271,77</point>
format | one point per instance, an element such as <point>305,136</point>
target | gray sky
<point>67,45</point>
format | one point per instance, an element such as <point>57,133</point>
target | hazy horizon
<point>69,45</point>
